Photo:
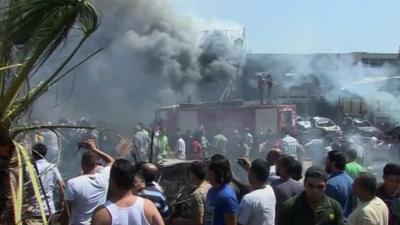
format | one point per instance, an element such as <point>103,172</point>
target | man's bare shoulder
<point>151,213</point>
<point>148,205</point>
<point>101,216</point>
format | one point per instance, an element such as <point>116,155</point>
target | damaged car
<point>365,128</point>
<point>362,127</point>
<point>325,125</point>
<point>311,127</point>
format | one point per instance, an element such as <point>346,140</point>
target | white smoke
<point>342,75</point>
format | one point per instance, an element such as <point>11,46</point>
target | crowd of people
<point>336,190</point>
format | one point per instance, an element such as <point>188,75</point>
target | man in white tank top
<point>123,207</point>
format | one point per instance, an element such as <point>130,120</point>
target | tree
<point>30,32</point>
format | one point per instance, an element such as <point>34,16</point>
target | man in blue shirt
<point>221,197</point>
<point>339,185</point>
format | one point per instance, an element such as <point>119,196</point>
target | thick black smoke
<point>153,57</point>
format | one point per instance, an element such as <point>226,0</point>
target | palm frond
<point>19,130</point>
<point>32,176</point>
<point>10,67</point>
<point>25,102</point>
<point>17,192</point>
<point>30,32</point>
<point>38,27</point>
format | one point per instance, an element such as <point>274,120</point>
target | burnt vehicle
<point>303,124</point>
<point>325,125</point>
<point>316,126</point>
<point>364,127</point>
<point>174,176</point>
<point>304,129</point>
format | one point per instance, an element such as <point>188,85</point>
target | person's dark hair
<point>286,162</point>
<point>260,169</point>
<point>368,182</point>
<point>123,173</point>
<point>391,169</point>
<point>221,168</point>
<point>198,169</point>
<point>338,158</point>
<point>351,154</point>
<point>296,171</point>
<point>39,151</point>
<point>273,156</point>
<point>316,172</point>
<point>139,165</point>
<point>89,160</point>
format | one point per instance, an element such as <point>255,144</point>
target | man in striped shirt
<point>291,146</point>
<point>153,191</point>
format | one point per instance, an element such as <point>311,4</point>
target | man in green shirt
<point>164,144</point>
<point>313,206</point>
<point>353,169</point>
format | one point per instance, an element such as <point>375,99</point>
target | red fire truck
<point>229,115</point>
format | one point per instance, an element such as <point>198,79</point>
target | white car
<point>326,125</point>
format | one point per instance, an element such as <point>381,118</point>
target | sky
<point>306,26</point>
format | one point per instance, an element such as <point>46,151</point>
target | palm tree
<point>30,32</point>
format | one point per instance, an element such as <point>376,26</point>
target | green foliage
<point>30,33</point>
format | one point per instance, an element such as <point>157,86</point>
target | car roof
<point>321,119</point>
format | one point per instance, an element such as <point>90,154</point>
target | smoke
<point>335,76</point>
<point>153,57</point>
